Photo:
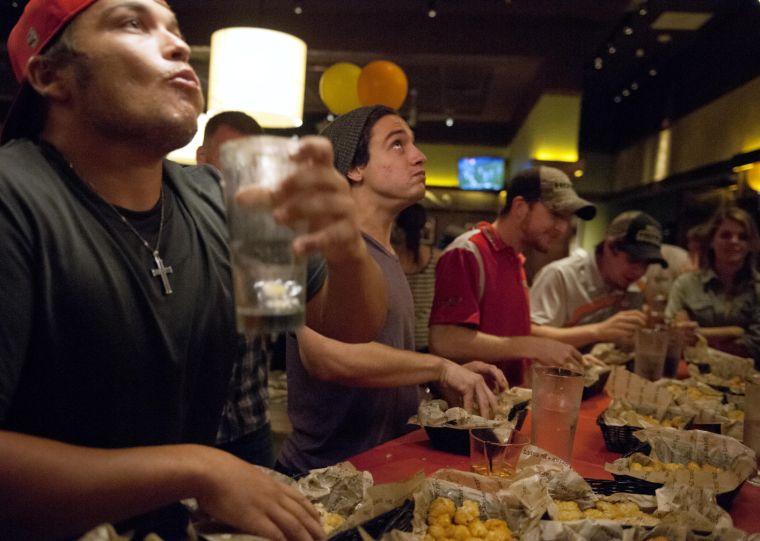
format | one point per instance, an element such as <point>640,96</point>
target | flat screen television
<point>481,173</point>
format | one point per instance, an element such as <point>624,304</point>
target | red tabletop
<point>398,459</point>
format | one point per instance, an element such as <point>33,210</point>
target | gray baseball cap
<point>553,188</point>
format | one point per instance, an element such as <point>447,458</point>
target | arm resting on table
<point>58,489</point>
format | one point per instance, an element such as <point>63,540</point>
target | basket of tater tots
<point>687,458</point>
<point>636,404</point>
<point>723,371</point>
<point>448,427</point>
<point>622,419</point>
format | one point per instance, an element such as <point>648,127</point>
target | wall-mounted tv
<point>481,173</point>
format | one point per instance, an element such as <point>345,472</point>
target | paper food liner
<point>684,446</point>
<point>691,391</point>
<point>621,412</point>
<point>610,354</point>
<point>721,361</point>
<point>341,488</point>
<point>734,384</point>
<point>593,372</point>
<point>625,385</point>
<point>437,412</point>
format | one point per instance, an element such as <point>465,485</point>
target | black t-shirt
<point>91,350</point>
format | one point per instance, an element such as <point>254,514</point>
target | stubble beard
<point>530,239</point>
<point>157,134</point>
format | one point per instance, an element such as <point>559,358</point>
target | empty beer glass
<point>268,278</point>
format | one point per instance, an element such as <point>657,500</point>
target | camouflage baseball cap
<point>553,188</point>
<point>639,235</point>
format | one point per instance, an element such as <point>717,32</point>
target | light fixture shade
<point>260,72</point>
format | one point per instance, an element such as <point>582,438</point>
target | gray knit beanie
<point>345,132</point>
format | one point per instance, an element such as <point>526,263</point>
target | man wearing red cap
<point>116,329</point>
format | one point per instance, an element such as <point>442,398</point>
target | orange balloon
<point>382,83</point>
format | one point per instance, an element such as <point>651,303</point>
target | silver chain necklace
<point>160,270</point>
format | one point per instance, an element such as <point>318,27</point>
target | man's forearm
<point>353,303</point>
<point>53,488</point>
<point>365,365</point>
<point>578,337</point>
<point>464,344</point>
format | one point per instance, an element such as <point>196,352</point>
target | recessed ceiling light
<point>449,122</point>
<point>626,92</point>
<point>642,11</point>
<point>617,99</point>
<point>634,85</point>
<point>640,53</point>
<point>432,13</point>
<point>627,30</point>
<point>598,63</point>
<point>298,10</point>
<point>681,20</point>
<point>652,72</point>
<point>611,49</point>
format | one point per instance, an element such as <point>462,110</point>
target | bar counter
<point>400,458</point>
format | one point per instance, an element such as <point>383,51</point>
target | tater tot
<point>461,532</point>
<point>478,528</point>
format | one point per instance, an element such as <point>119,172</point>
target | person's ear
<point>355,175</point>
<point>50,82</point>
<point>520,207</point>
<point>200,155</point>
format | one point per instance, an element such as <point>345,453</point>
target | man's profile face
<point>209,152</point>
<point>134,81</point>
<point>622,269</point>
<point>396,167</point>
<point>541,227</point>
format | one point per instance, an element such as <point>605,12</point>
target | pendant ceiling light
<point>260,72</point>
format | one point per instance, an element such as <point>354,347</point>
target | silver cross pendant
<point>163,272</point>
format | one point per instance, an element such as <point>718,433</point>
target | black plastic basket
<point>724,499</point>
<point>618,439</point>
<point>597,386</point>
<point>605,487</point>
<point>457,440</point>
<point>399,518</point>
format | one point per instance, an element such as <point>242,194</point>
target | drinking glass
<point>556,401</point>
<point>492,457</point>
<point>674,351</point>
<point>752,425</point>
<point>651,347</point>
<point>268,279</point>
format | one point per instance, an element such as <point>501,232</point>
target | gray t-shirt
<point>332,422</point>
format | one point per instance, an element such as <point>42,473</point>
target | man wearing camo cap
<point>583,298</point>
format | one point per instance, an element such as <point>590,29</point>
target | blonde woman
<point>723,296</point>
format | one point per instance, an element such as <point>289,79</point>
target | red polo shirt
<point>491,297</point>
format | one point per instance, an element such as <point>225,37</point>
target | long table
<point>398,459</point>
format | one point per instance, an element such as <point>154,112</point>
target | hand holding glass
<point>268,278</point>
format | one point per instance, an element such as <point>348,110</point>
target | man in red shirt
<point>481,309</point>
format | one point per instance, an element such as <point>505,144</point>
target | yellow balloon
<point>337,87</point>
<point>384,83</point>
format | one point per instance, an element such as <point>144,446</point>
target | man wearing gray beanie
<point>341,405</point>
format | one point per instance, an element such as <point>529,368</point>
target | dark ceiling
<point>484,63</point>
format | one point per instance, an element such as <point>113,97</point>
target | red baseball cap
<point>40,23</point>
